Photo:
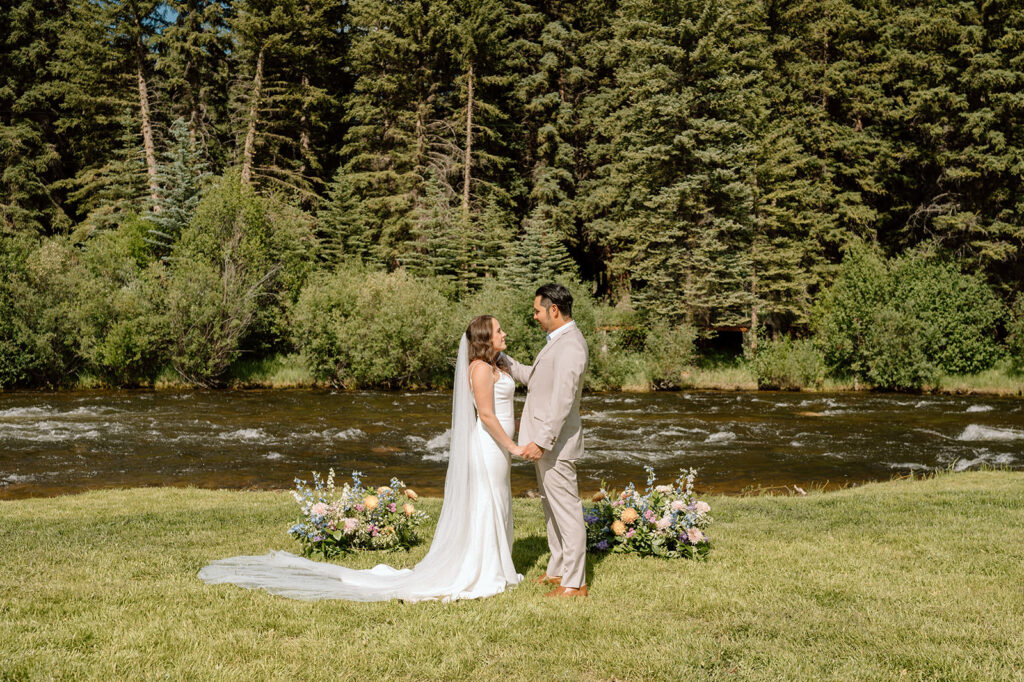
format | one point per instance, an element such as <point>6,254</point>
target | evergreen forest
<point>190,184</point>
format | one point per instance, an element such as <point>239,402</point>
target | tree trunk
<point>467,157</point>
<point>304,125</point>
<point>147,141</point>
<point>250,133</point>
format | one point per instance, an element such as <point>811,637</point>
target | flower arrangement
<point>355,517</point>
<point>664,520</point>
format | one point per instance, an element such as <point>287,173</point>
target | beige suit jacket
<point>551,415</point>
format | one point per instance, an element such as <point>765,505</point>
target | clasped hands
<point>530,452</point>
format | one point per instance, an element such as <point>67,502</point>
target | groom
<point>552,434</point>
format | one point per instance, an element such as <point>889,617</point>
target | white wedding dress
<point>470,555</point>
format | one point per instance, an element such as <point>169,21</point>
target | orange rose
<point>370,502</point>
<point>383,490</point>
<point>623,495</point>
<point>629,515</point>
<point>408,509</point>
<point>599,496</point>
<point>618,527</point>
<point>411,494</point>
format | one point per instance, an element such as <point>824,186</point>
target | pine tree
<point>288,56</point>
<point>29,157</point>
<point>953,82</point>
<point>107,193</point>
<point>193,64</point>
<point>181,181</point>
<point>104,68</point>
<point>672,194</point>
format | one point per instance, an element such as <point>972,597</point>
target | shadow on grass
<point>527,552</point>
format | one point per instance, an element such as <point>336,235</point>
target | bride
<point>471,552</point>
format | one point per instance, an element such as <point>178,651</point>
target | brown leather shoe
<point>568,592</point>
<point>546,579</point>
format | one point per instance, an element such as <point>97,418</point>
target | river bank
<point>103,585</point>
<point>289,371</point>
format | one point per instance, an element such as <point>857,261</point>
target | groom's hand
<point>532,452</point>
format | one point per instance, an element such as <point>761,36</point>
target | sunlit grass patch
<point>914,579</point>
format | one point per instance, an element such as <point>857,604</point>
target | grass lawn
<point>918,579</point>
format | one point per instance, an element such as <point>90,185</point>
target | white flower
<point>663,489</point>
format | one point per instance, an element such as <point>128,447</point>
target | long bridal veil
<point>453,564</point>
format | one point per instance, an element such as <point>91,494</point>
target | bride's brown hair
<point>478,334</point>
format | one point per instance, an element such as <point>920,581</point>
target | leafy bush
<point>222,273</point>
<point>361,328</point>
<point>668,351</point>
<point>844,313</point>
<point>1015,334</point>
<point>787,364</point>
<point>123,331</point>
<point>958,314</point>
<point>895,348</point>
<point>896,325</point>
<point>38,338</point>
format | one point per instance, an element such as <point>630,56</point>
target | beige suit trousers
<point>563,510</point>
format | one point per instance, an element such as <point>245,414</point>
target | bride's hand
<point>517,450</point>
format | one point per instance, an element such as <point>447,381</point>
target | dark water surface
<point>69,442</point>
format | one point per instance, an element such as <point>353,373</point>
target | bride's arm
<point>482,381</point>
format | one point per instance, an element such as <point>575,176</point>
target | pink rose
<point>351,525</point>
<point>318,509</point>
<point>392,507</point>
<point>694,535</point>
<point>678,505</point>
<point>358,507</point>
<point>703,507</point>
<point>664,522</point>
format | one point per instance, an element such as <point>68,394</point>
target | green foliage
<point>38,339</point>
<point>898,324</point>
<point>844,312</point>
<point>181,181</point>
<point>669,351</point>
<point>221,273</point>
<point>894,350</point>
<point>361,328</point>
<point>123,334</point>
<point>788,364</point>
<point>1015,334</point>
<point>959,313</point>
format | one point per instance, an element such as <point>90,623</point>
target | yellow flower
<point>411,494</point>
<point>383,490</point>
<point>408,509</point>
<point>629,515</point>
<point>370,502</point>
<point>618,527</point>
<point>599,496</point>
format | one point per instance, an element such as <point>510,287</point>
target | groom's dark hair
<point>556,294</point>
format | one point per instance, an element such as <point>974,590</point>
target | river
<point>54,443</point>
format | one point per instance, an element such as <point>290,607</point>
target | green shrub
<point>1015,334</point>
<point>925,313</point>
<point>38,336</point>
<point>360,328</point>
<point>843,314</point>
<point>223,272</point>
<point>668,351</point>
<point>958,314</point>
<point>123,331</point>
<point>895,351</point>
<point>787,364</point>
